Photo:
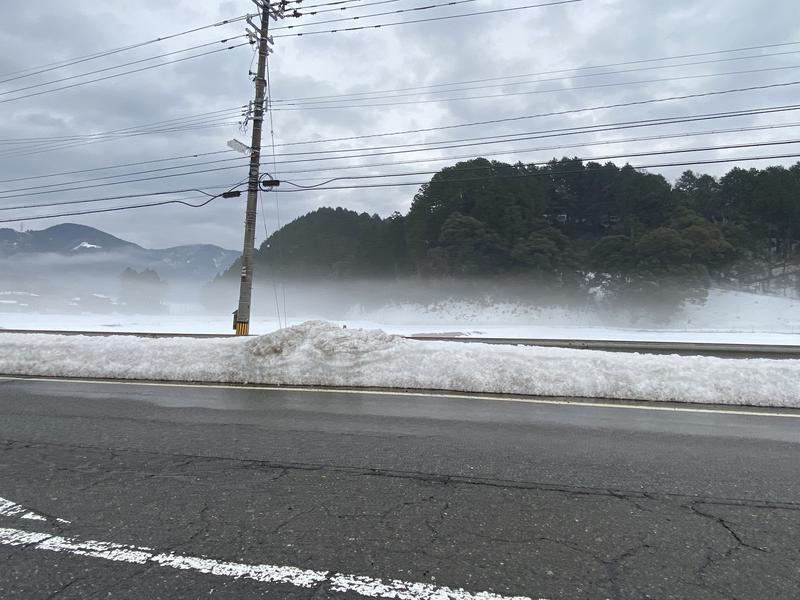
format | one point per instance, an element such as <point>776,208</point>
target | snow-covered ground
<point>319,353</point>
<point>727,317</point>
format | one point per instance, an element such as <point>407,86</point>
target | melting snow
<point>324,354</point>
<point>85,245</point>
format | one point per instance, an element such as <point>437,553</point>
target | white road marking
<point>12,509</point>
<point>364,586</point>
<point>582,402</point>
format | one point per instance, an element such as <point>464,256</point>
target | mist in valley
<point>50,291</point>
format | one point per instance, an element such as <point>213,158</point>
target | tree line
<point>567,224</point>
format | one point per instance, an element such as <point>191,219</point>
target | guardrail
<point>144,334</point>
<point>682,348</point>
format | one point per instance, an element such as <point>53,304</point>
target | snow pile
<point>323,354</point>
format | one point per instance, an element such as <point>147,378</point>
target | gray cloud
<point>590,33</point>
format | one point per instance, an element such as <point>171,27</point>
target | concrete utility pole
<point>241,319</point>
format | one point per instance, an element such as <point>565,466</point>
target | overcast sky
<point>35,131</point>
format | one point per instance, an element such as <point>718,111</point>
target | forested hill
<point>569,223</point>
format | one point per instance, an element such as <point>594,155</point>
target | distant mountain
<point>85,248</point>
<point>62,239</point>
<point>198,261</point>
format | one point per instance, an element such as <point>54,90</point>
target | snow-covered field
<point>325,354</point>
<point>727,317</point>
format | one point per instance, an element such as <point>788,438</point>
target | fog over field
<point>65,297</point>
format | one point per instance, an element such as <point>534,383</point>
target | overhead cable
<point>553,173</point>
<point>31,71</point>
<point>303,107</point>
<point>519,151</point>
<point>430,19</point>
<point>308,10</point>
<point>120,66</point>
<point>106,199</point>
<point>6,196</point>
<point>380,14</point>
<point>584,159</point>
<point>363,97</point>
<point>115,75</point>
<point>540,173</point>
<point>119,166</point>
<point>77,136</point>
<point>572,70</point>
<point>655,121</point>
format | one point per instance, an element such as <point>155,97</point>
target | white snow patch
<point>32,516</point>
<point>324,354</point>
<point>86,245</point>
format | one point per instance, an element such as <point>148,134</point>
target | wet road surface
<point>215,492</point>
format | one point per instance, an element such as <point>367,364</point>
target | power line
<point>414,150</point>
<point>483,140</point>
<point>552,173</point>
<point>337,3</point>
<point>606,107</point>
<point>416,161</point>
<point>43,147</point>
<point>111,177</point>
<point>139,70</point>
<point>114,67</point>
<point>226,111</point>
<point>81,59</point>
<point>134,206</point>
<point>582,159</point>
<point>512,119</point>
<point>657,121</point>
<point>277,198</point>
<point>338,9</point>
<point>475,141</point>
<point>544,134</point>
<point>120,197</point>
<point>430,19</point>
<point>518,151</point>
<point>301,107</point>
<point>558,132</point>
<point>120,166</point>
<point>380,14</point>
<point>34,148</point>
<point>540,173</point>
<point>137,180</point>
<point>424,91</point>
<point>6,196</point>
<point>571,70</point>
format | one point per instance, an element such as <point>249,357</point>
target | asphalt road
<point>213,492</point>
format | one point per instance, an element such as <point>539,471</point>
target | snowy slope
<point>319,353</point>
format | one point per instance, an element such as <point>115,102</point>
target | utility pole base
<point>242,328</point>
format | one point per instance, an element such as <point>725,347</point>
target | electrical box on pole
<point>241,322</point>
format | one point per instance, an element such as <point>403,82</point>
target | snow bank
<point>320,353</point>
